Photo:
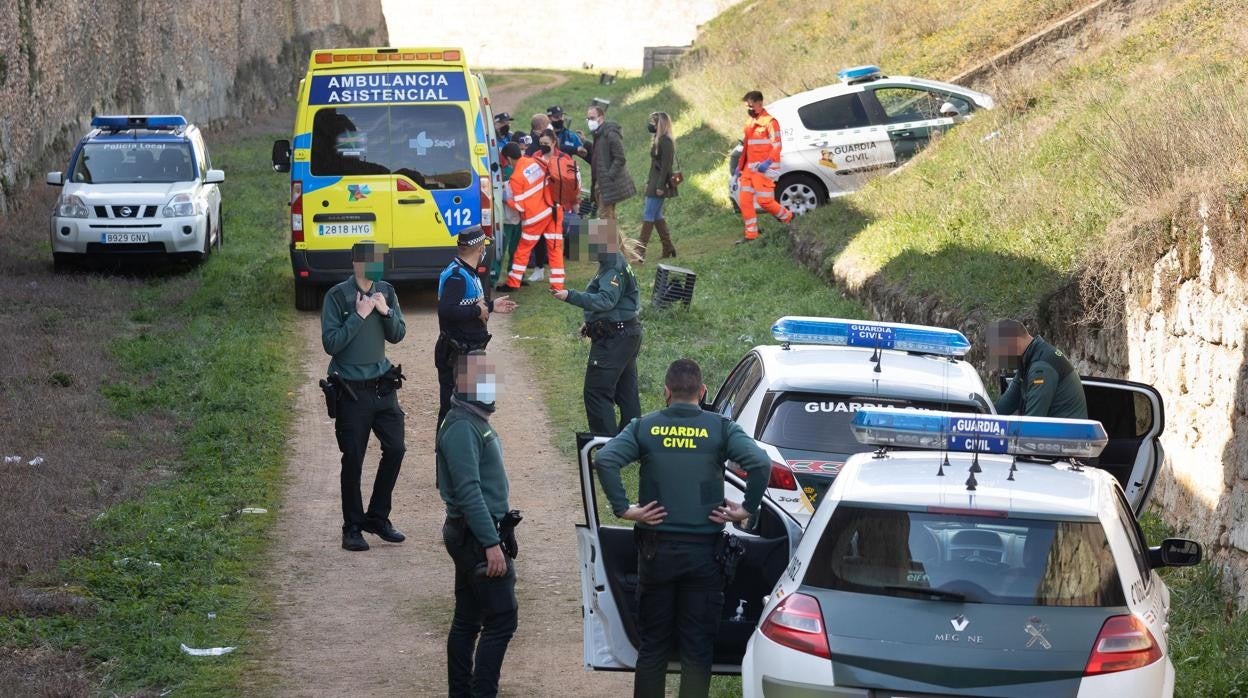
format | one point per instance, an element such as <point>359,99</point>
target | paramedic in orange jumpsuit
<point>759,167</point>
<point>540,216</point>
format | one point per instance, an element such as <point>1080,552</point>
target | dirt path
<point>375,623</point>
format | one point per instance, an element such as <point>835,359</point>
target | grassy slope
<point>1023,206</point>
<point>217,362</point>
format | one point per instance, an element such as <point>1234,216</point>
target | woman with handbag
<point>661,185</point>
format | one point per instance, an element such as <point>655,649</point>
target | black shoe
<point>352,539</point>
<point>744,240</point>
<point>382,529</point>
<point>503,288</point>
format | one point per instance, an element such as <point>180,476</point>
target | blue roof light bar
<point>860,72</point>
<point>970,433</point>
<point>152,122</point>
<point>919,339</point>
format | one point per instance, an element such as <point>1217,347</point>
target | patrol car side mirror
<point>56,179</point>
<point>281,156</point>
<point>1175,552</point>
<point>214,177</point>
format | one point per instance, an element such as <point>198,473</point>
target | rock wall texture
<point>63,61</point>
<point>1183,328</point>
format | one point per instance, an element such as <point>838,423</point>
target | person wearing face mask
<point>463,312</point>
<point>538,124</point>
<point>502,128</point>
<point>540,217</point>
<point>479,532</point>
<point>759,167</point>
<point>679,524</point>
<point>359,316</point>
<point>610,182</point>
<point>569,141</point>
<point>659,186</point>
<point>611,302</point>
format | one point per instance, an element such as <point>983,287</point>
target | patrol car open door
<point>608,566</point>
<point>1134,417</point>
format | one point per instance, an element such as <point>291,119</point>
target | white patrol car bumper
<point>90,236</point>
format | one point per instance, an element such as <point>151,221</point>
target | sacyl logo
<point>959,622</point>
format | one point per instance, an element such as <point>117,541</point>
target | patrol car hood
<point>916,645</point>
<point>131,193</point>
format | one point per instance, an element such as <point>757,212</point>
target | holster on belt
<point>334,387</point>
<point>393,378</point>
<point>507,533</point>
<point>459,347</point>
<point>728,553</point>
<point>601,329</point>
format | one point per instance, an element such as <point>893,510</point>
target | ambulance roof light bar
<point>154,122</point>
<point>919,339</point>
<point>859,73</point>
<point>387,55</point>
<point>970,433</point>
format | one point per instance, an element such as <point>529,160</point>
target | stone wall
<point>1183,329</point>
<point>63,61</point>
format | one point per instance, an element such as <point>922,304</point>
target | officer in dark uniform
<point>611,302</point>
<point>682,450</point>
<point>360,315</point>
<point>463,312</point>
<point>1045,384</point>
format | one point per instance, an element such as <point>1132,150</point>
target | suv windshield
<point>134,161</point>
<point>963,556</point>
<point>426,143</point>
<point>820,422</point>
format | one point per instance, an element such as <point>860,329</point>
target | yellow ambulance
<point>394,146</point>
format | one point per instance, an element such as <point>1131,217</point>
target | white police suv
<point>799,397</point>
<point>837,137</point>
<point>137,185</point>
<point>992,563</point>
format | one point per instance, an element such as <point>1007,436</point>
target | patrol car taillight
<point>487,206</point>
<point>1124,643</point>
<point>296,211</point>
<point>797,623</point>
<point>781,477</point>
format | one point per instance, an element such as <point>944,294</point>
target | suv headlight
<point>72,207</point>
<point>182,206</point>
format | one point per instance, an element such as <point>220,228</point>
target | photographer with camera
<point>359,316</point>
<point>479,532</point>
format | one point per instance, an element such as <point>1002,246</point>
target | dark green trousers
<point>611,381</point>
<point>505,251</point>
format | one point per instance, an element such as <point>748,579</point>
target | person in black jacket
<point>463,312</point>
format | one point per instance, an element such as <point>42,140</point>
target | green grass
<point>1208,638</point>
<point>216,362</point>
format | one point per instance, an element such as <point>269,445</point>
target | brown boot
<point>644,239</point>
<point>669,250</point>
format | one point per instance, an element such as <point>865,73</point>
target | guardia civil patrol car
<point>137,186</point>
<point>835,138</point>
<point>798,397</point>
<point>992,563</point>
<point>394,146</point>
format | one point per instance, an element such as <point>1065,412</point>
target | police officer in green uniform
<point>679,527</point>
<point>360,315</point>
<point>1045,384</point>
<point>610,303</point>
<point>479,532</point>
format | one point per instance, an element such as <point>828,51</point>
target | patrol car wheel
<point>220,231</point>
<point>800,193</point>
<point>307,296</point>
<point>203,257</point>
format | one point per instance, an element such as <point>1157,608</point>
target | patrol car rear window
<point>978,559</point>
<point>427,143</point>
<point>134,161</point>
<point>820,422</point>
<point>834,114</point>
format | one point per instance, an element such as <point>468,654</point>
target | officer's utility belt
<point>463,346</point>
<point>728,548</point>
<point>648,534</point>
<point>335,387</point>
<point>506,530</point>
<point>602,329</point>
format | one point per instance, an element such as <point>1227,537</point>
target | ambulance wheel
<point>800,193</point>
<point>307,296</point>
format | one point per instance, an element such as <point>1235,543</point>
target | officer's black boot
<point>644,239</point>
<point>352,539</point>
<point>383,529</point>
